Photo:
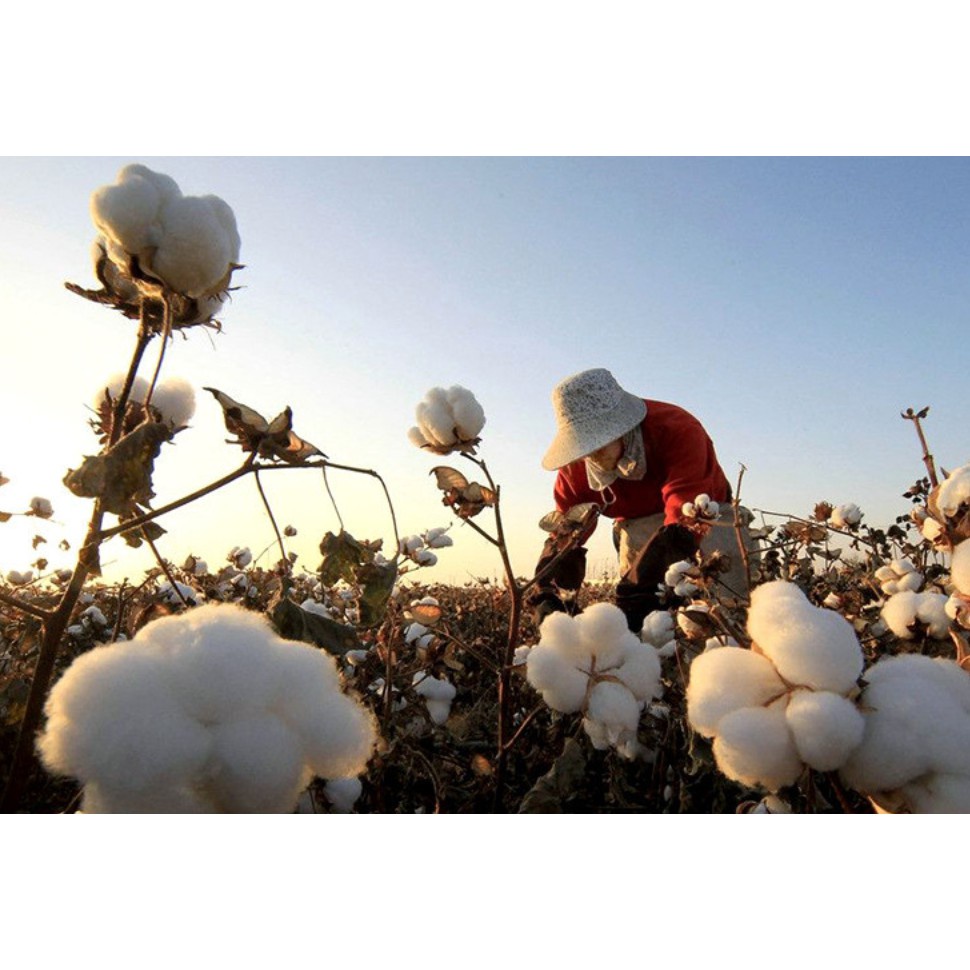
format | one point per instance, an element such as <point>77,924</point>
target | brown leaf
<point>448,478</point>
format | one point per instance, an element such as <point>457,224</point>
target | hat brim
<point>577,439</point>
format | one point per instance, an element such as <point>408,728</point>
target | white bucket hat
<point>591,411</point>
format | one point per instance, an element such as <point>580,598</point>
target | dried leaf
<point>122,476</point>
<point>6,516</point>
<point>342,556</point>
<point>275,439</point>
<point>377,582</point>
<point>448,478</point>
<point>294,623</point>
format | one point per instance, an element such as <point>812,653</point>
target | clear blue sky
<point>795,305</point>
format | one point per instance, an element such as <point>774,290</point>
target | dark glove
<point>570,571</point>
<point>636,592</point>
<point>544,603</point>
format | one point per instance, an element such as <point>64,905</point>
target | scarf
<point>632,463</point>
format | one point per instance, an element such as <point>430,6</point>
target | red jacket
<point>681,464</point>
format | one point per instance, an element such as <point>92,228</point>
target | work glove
<point>567,576</point>
<point>637,591</point>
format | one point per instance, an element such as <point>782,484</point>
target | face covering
<point>632,463</point>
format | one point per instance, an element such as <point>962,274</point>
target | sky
<point>795,305</point>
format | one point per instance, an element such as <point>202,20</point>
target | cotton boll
<point>343,793</point>
<point>932,611</point>
<point>658,628</point>
<point>960,567</point>
<point>425,557</point>
<point>338,737</point>
<point>845,516</point>
<point>723,681</point>
<point>195,252</point>
<point>127,212</point>
<point>754,746</point>
<point>257,765</point>
<point>562,686</point>
<point>899,613</point>
<point>954,491</point>
<point>939,793</point>
<point>114,718</point>
<point>561,633</point>
<point>826,728</point>
<point>174,399</point>
<point>810,647</point>
<point>604,633</point>
<point>438,695</point>
<point>436,422</point>
<point>613,706</point>
<point>440,542</point>
<point>640,670</point>
<point>469,417</point>
<point>417,438</point>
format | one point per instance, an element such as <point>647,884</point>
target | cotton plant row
<point>204,711</point>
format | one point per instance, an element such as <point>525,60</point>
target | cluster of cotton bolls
<point>678,578</point>
<point>592,663</point>
<point>846,516</point>
<point>17,578</point>
<point>898,576</point>
<point>189,244</point>
<point>418,548</point>
<point>915,752</point>
<point>448,420</point>
<point>173,399</point>
<point>205,711</point>
<point>774,709</point>
<point>703,507</point>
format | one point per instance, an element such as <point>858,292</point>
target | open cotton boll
<point>903,611</point>
<point>640,670</point>
<point>258,765</point>
<point>826,728</point>
<point>932,612</point>
<point>954,491</point>
<point>343,793</point>
<point>115,385</point>
<point>845,516</point>
<point>613,706</point>
<point>436,421</point>
<point>810,647</point>
<point>604,633</point>
<point>939,793</point>
<point>113,718</point>
<point>550,672</point>
<point>469,416</point>
<point>561,633</point>
<point>960,567</point>
<point>754,746</point>
<point>338,735</point>
<point>658,628</point>
<point>723,681</point>
<point>127,212</point>
<point>917,714</point>
<point>174,399</point>
<point>437,694</point>
<point>417,437</point>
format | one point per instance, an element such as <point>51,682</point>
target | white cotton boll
<point>169,594</point>
<point>960,567</point>
<point>343,793</point>
<point>826,728</point>
<point>521,655</point>
<point>932,612</point>
<point>174,399</point>
<point>312,606</point>
<point>658,628</point>
<point>810,647</point>
<point>41,507</point>
<point>715,643</point>
<point>115,385</point>
<point>939,793</point>
<point>414,631</point>
<point>954,491</point>
<point>688,510</point>
<point>16,578</point>
<point>440,542</point>
<point>257,765</point>
<point>917,713</point>
<point>417,438</point>
<point>436,422</point>
<point>689,626</point>
<point>338,737</point>
<point>899,613</point>
<point>845,516</point>
<point>469,416</point>
<point>127,212</point>
<point>754,746</point>
<point>723,681</point>
<point>425,557</point>
<point>613,706</point>
<point>604,633</point>
<point>640,670</point>
<point>114,718</point>
<point>561,633</point>
<point>437,694</point>
<point>910,581</point>
<point>95,616</point>
<point>562,686</point>
<point>195,252</point>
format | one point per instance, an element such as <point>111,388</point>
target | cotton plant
<point>204,711</point>
<point>786,703</point>
<point>152,238</point>
<point>914,755</point>
<point>592,664</point>
<point>448,420</point>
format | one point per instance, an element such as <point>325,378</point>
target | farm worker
<point>639,461</point>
